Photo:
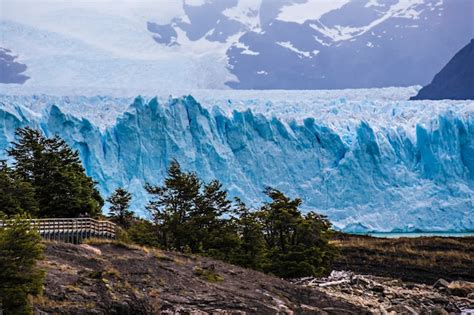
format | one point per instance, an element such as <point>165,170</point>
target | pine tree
<point>20,249</point>
<point>62,189</point>
<point>120,207</point>
<point>16,195</point>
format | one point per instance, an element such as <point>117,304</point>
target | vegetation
<point>51,171</point>
<point>143,232</point>
<point>20,249</point>
<point>16,194</point>
<point>420,259</point>
<point>119,210</point>
<point>208,275</point>
<point>196,217</point>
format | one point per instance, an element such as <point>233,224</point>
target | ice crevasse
<point>368,165</point>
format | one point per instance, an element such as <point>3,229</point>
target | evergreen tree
<point>143,232</point>
<point>62,189</point>
<point>120,207</point>
<point>277,238</point>
<point>16,195</point>
<point>210,230</point>
<point>298,245</point>
<point>189,215</point>
<point>253,249</point>
<point>20,249</point>
<point>172,205</point>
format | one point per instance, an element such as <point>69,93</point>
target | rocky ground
<point>382,295</point>
<point>399,276</point>
<point>112,278</point>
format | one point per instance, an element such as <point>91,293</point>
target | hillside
<point>106,278</point>
<point>455,81</point>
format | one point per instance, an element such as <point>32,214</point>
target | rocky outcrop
<point>455,81</point>
<point>11,71</point>
<point>382,295</point>
<point>120,279</point>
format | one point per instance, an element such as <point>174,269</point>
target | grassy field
<point>423,259</point>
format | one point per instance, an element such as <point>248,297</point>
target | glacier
<point>368,159</point>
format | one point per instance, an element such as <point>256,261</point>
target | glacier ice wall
<point>366,170</point>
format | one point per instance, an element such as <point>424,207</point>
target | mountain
<point>455,81</point>
<point>10,70</point>
<point>241,44</point>
<point>368,159</point>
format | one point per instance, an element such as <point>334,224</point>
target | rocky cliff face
<point>455,81</point>
<point>113,279</point>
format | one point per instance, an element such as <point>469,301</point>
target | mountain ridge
<point>284,44</point>
<point>455,80</point>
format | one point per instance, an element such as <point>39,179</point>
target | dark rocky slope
<point>455,81</point>
<point>118,279</point>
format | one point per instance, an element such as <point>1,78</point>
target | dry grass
<point>207,275</point>
<point>44,301</point>
<point>99,241</point>
<point>425,251</point>
<point>449,257</point>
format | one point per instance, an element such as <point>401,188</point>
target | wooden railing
<point>70,230</point>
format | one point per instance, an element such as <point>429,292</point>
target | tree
<point>16,195</point>
<point>172,205</point>
<point>190,215</point>
<point>120,207</point>
<point>20,249</point>
<point>54,170</point>
<point>252,250</point>
<point>209,230</point>
<point>199,218</point>
<point>143,232</point>
<point>298,245</point>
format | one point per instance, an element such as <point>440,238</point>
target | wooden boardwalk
<point>73,230</point>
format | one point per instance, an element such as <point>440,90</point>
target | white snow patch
<point>403,9</point>
<point>246,12</point>
<point>309,10</point>
<point>246,49</point>
<point>290,46</point>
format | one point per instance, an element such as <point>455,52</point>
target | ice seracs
<point>368,159</point>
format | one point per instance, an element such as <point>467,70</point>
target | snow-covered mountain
<point>368,159</point>
<point>243,44</point>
